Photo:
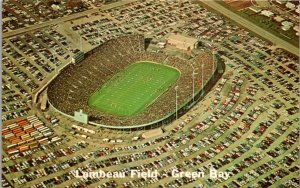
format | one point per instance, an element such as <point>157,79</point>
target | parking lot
<point>246,125</point>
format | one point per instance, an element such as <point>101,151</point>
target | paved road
<point>63,19</point>
<point>252,27</point>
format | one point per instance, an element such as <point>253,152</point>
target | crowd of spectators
<point>71,90</point>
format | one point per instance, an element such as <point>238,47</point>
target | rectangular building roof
<point>182,39</point>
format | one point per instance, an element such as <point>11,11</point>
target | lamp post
<point>176,98</point>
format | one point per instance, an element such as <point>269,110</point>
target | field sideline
<point>132,90</point>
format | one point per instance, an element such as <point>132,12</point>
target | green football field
<point>131,91</point>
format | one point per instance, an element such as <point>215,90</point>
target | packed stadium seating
<point>72,88</point>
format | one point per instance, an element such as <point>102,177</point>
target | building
<point>290,5</point>
<point>255,9</point>
<point>267,13</point>
<point>286,25</point>
<point>280,1</point>
<point>182,42</point>
<point>81,117</point>
<point>296,28</point>
<point>278,19</point>
<point>297,10</point>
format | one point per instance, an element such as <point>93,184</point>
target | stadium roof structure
<point>182,42</point>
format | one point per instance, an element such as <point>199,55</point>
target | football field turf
<point>132,90</point>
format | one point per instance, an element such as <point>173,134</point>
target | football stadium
<point>121,84</point>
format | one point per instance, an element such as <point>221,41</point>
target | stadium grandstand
<point>72,88</point>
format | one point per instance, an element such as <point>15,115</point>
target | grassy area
<point>226,90</point>
<point>270,25</point>
<point>266,23</point>
<point>131,91</point>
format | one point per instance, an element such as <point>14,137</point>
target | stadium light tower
<point>193,76</point>
<point>213,54</point>
<point>176,88</point>
<point>202,77</point>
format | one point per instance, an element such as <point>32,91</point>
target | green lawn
<point>131,91</point>
<point>270,25</point>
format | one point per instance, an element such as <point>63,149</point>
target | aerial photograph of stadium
<point>150,93</point>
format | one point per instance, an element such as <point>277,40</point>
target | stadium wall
<point>218,72</point>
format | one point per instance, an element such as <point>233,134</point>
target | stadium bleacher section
<point>72,88</point>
